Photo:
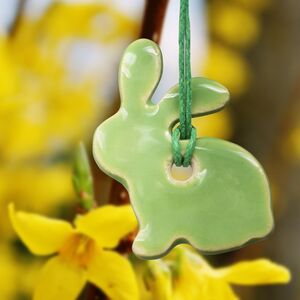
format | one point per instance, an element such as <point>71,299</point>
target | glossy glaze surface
<point>226,201</point>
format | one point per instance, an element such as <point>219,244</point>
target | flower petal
<point>160,281</point>
<point>217,289</point>
<point>195,283</point>
<point>107,224</point>
<point>261,271</point>
<point>42,236</point>
<point>113,274</point>
<point>203,287</point>
<point>59,280</point>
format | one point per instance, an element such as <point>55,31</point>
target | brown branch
<point>18,16</point>
<point>154,17</point>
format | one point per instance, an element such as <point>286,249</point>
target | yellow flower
<point>8,77</point>
<point>8,272</point>
<point>217,125</point>
<point>31,268</point>
<point>154,279</point>
<point>12,279</point>
<point>227,67</point>
<point>97,21</point>
<point>83,253</point>
<point>52,77</point>
<point>196,279</point>
<point>38,123</point>
<point>184,274</point>
<point>52,183</point>
<point>226,20</point>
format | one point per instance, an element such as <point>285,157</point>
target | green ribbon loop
<point>184,160</point>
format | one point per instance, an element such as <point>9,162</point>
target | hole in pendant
<point>181,173</point>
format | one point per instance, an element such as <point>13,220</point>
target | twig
<point>154,17</point>
<point>18,16</point>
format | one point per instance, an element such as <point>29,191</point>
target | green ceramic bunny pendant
<point>223,205</point>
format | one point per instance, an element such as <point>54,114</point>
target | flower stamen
<point>78,250</point>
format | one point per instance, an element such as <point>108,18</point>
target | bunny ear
<point>208,96</point>
<point>139,74</point>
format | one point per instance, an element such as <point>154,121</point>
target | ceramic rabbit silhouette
<point>226,201</point>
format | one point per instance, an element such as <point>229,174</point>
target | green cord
<point>186,130</point>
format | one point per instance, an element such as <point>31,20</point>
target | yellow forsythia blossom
<point>51,93</point>
<point>234,25</point>
<point>52,185</point>
<point>39,187</point>
<point>8,272</point>
<point>227,67</point>
<point>9,81</point>
<point>12,280</point>
<point>154,279</point>
<point>97,21</point>
<point>82,252</point>
<point>193,278</point>
<point>198,280</point>
<point>217,125</point>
